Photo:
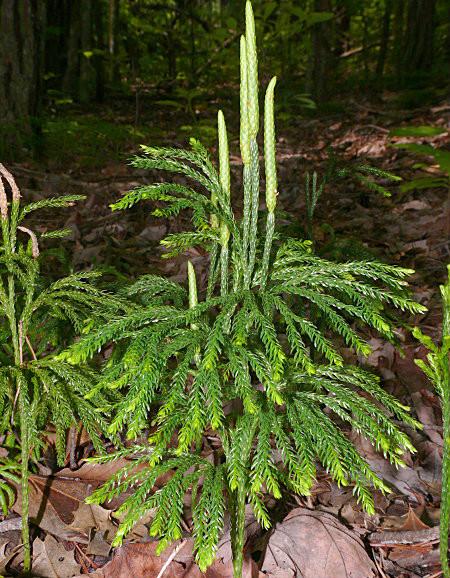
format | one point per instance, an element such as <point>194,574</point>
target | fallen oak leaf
<point>52,507</point>
<point>52,560</point>
<point>314,544</point>
<point>92,516</point>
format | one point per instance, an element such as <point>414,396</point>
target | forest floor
<point>410,228</point>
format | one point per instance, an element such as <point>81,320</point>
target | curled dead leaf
<point>314,544</point>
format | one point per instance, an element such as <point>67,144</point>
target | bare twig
<point>171,557</point>
<point>378,564</point>
<point>86,557</point>
<point>30,347</point>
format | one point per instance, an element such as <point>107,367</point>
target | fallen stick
<point>171,557</point>
<point>380,539</point>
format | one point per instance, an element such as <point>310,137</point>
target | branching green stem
<point>238,520</point>
<point>25,450</point>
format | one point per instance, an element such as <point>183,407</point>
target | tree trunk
<point>384,45</point>
<point>343,24</point>
<point>56,41</point>
<point>99,56</point>
<point>70,81</point>
<point>113,27</point>
<point>398,33</point>
<point>87,72</point>
<point>322,58</point>
<point>21,70</point>
<point>419,37</point>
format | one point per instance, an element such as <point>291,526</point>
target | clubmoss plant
<point>35,387</point>
<point>436,368</point>
<point>246,364</point>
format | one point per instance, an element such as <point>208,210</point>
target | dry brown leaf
<point>15,555</point>
<point>52,505</point>
<point>55,499</point>
<point>406,480</point>
<point>141,561</point>
<point>420,559</point>
<point>406,523</point>
<point>99,544</point>
<point>91,516</point>
<point>52,560</point>
<point>314,544</point>
<point>427,416</point>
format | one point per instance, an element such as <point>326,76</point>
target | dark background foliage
<point>79,75</point>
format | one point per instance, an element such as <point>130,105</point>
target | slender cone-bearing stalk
<point>4,215</point>
<point>252,71</point>
<point>214,255</point>
<point>4,174</point>
<point>269,148</point>
<point>34,241</point>
<point>192,285</point>
<point>224,174</point>
<point>245,149</point>
<point>15,205</point>
<point>193,300</point>
<point>244,102</point>
<point>253,123</point>
<point>3,202</point>
<point>271,175</point>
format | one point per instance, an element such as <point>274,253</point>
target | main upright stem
<point>445,495</point>
<point>17,338</point>
<point>25,449</point>
<point>238,520</point>
<point>445,501</point>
